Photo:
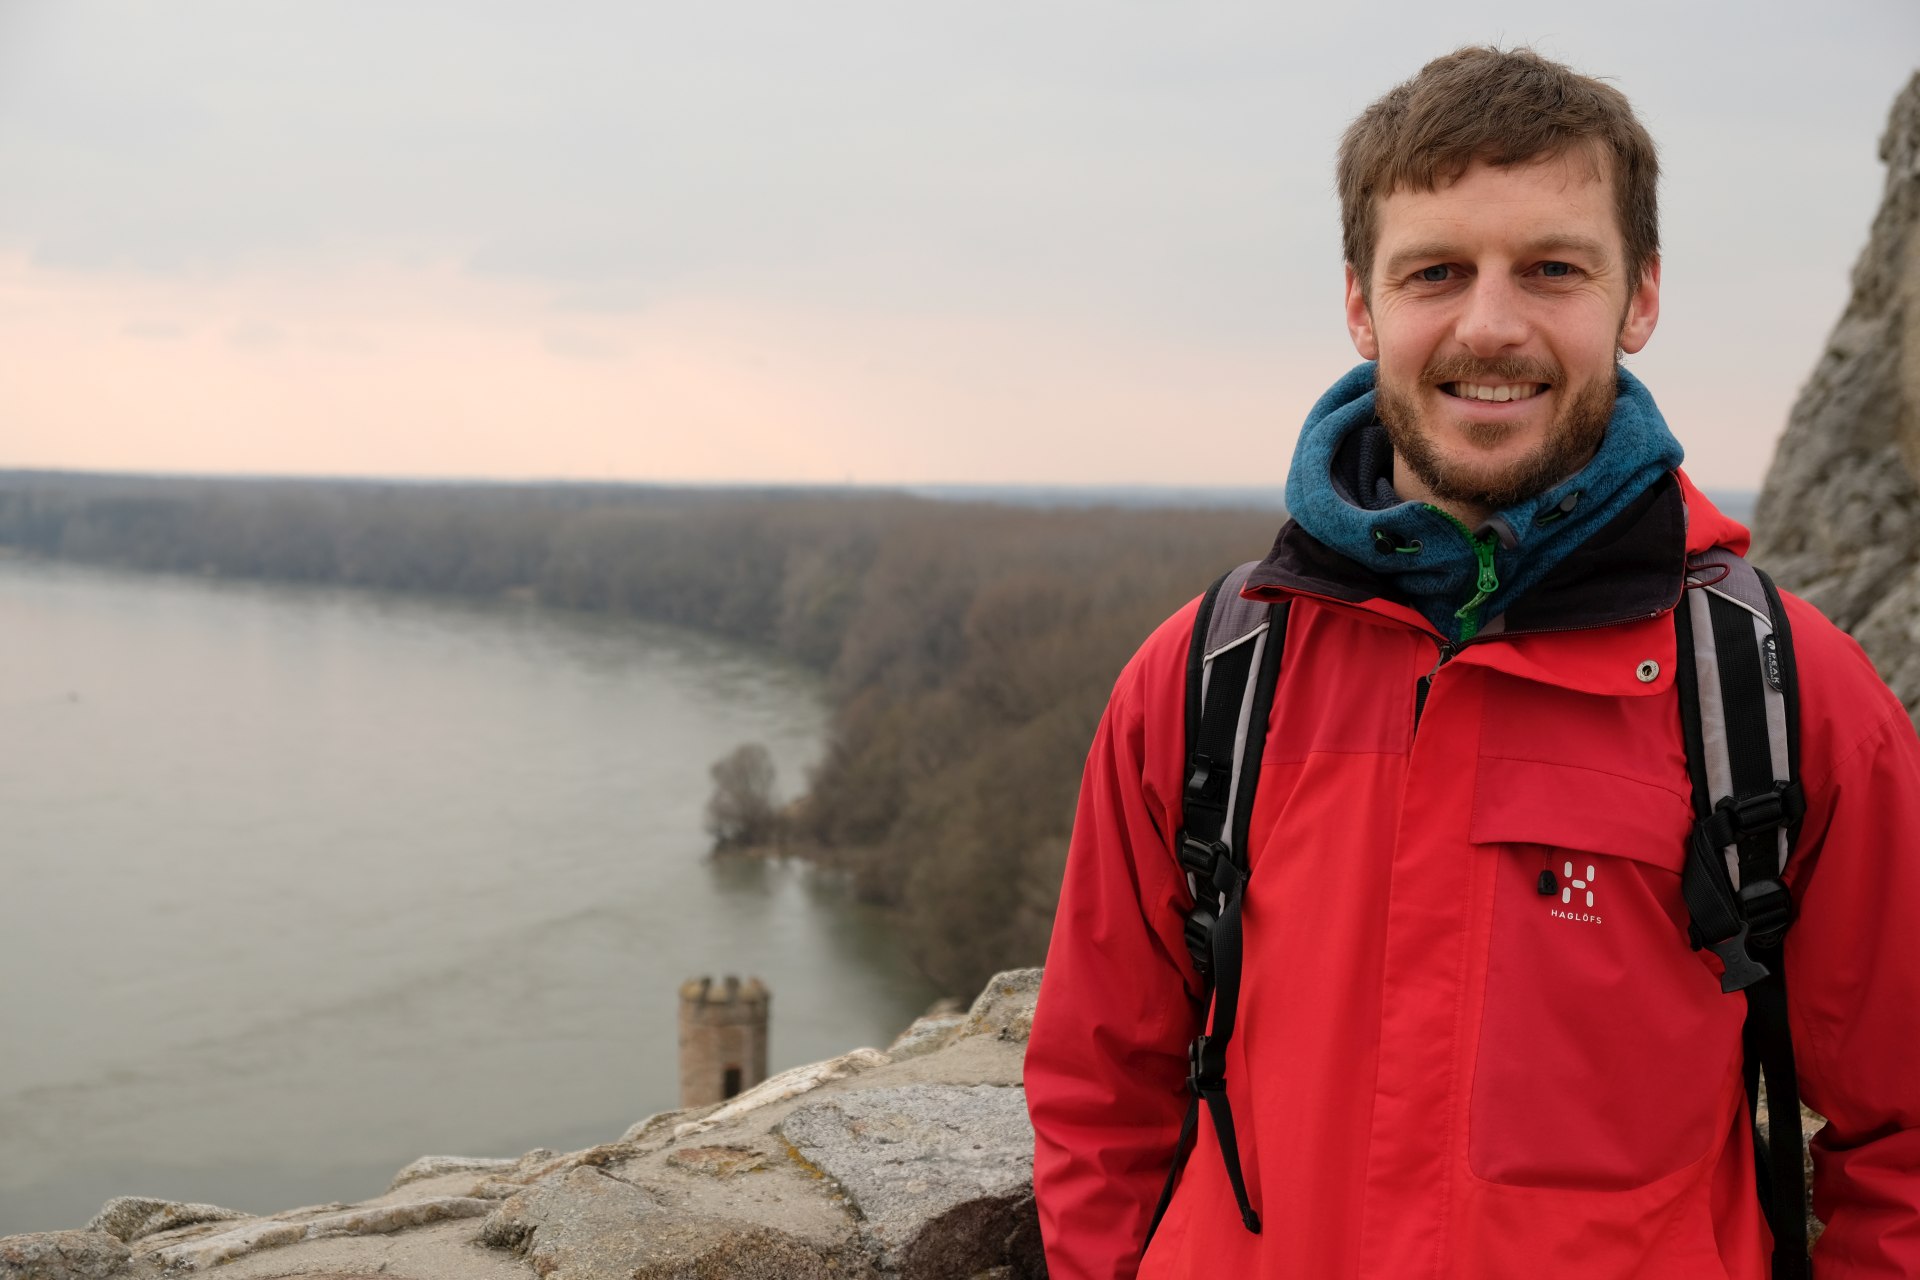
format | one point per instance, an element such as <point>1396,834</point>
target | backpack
<point>1739,713</point>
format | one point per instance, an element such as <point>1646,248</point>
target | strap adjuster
<point>1736,818</point>
<point>1208,780</point>
<point>1199,934</point>
<point>1209,862</point>
<point>1200,856</point>
<point>1201,1078</point>
<point>1767,907</point>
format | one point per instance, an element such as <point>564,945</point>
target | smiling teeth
<point>1477,391</point>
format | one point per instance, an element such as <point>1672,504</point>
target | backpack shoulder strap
<point>1234,641</point>
<point>1233,663</point>
<point>1740,714</point>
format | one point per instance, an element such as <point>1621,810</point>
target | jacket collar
<point>1614,590</point>
<point>1339,490</point>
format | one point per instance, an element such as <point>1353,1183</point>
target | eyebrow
<point>1443,250</point>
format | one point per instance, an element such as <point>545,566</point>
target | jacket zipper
<point>1425,684</point>
<point>1485,580</point>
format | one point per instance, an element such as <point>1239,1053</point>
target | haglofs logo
<point>1573,889</point>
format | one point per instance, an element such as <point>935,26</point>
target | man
<point>1438,1069</point>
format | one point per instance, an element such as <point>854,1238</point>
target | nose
<point>1494,317</point>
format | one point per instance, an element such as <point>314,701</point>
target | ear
<point>1360,318</point>
<point>1643,310</point>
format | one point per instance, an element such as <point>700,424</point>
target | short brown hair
<point>1503,107</point>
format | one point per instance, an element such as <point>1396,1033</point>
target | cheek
<point>1405,347</point>
<point>1591,342</point>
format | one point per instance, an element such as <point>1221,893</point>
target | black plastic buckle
<point>1209,862</point>
<point>1767,907</point>
<point>1738,818</point>
<point>1200,856</point>
<point>1205,781</point>
<point>1739,970</point>
<point>1200,1078</point>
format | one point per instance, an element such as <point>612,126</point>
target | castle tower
<point>723,1039</point>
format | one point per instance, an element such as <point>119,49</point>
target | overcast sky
<point>1037,242</point>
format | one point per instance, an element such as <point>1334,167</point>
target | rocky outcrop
<point>914,1163</point>
<point>136,1217</point>
<point>1839,518</point>
<point>62,1255</point>
<point>939,1175</point>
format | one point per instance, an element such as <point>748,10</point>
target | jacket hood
<point>1338,493</point>
<point>1708,526</point>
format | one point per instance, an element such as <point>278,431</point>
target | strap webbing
<point>1226,740</point>
<point>1768,1036</point>
<point>1749,749</point>
<point>1780,1172</point>
<point>1723,641</point>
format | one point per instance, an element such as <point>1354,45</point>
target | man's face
<point>1498,305</point>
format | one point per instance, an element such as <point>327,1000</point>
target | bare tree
<point>741,813</point>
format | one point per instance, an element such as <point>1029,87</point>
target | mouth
<point>1493,392</point>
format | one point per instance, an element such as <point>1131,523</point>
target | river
<point>297,884</point>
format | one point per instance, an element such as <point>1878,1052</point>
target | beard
<point>1570,441</point>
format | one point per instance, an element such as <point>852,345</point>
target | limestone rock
<point>1839,519</point>
<point>130,1218</point>
<point>1005,1008</point>
<point>436,1166</point>
<point>578,1197</point>
<point>928,1034</point>
<point>587,1226</point>
<point>941,1175</point>
<point>380,1219</point>
<point>717,1162</point>
<point>225,1247</point>
<point>788,1084</point>
<point>62,1255</point>
<point>197,1255</point>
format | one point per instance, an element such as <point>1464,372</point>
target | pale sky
<point>876,242</point>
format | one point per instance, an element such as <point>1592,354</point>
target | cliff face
<point>1839,518</point>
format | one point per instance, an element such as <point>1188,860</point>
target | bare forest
<point>967,648</point>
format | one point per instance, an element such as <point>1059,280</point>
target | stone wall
<point>1839,518</point>
<point>723,1039</point>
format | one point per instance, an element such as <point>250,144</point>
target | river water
<point>297,884</point>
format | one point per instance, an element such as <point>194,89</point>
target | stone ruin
<point>723,1038</point>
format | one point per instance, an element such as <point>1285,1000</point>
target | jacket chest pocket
<point>1606,1047</point>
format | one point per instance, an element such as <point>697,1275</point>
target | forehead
<point>1505,206</point>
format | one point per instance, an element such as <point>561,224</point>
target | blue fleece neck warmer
<point>1340,491</point>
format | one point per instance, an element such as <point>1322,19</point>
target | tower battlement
<point>728,992</point>
<point>723,1038</point>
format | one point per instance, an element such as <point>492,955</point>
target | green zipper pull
<point>1485,585</point>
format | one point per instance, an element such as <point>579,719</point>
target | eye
<point>1556,270</point>
<point>1433,275</point>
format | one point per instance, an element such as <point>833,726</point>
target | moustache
<point>1497,369</point>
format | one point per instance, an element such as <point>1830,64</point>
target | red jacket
<point>1438,1071</point>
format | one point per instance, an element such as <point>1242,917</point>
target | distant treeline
<point>968,647</point>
